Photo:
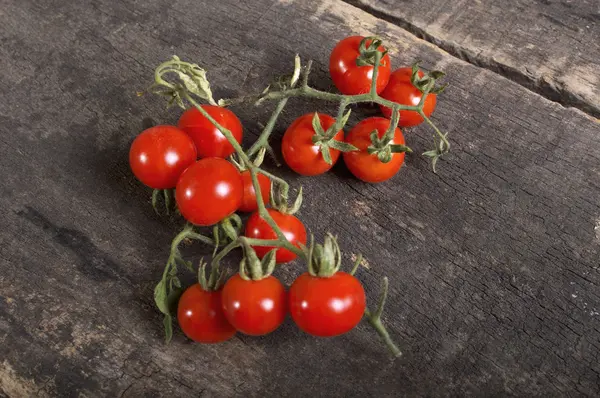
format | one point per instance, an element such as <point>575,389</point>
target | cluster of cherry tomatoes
<point>303,155</point>
<point>191,158</point>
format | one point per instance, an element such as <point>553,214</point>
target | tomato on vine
<point>210,142</point>
<point>310,145</point>
<point>249,196</point>
<point>200,315</point>
<point>328,306</point>
<point>351,65</point>
<point>380,155</point>
<point>209,191</point>
<point>290,226</point>
<point>326,302</point>
<point>160,154</point>
<point>254,307</point>
<point>400,89</point>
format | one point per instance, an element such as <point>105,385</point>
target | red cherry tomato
<point>350,78</point>
<point>249,197</point>
<point>368,167</point>
<point>401,90</point>
<point>200,316</point>
<point>208,191</point>
<point>292,228</point>
<point>159,155</point>
<point>254,307</point>
<point>209,141</point>
<point>327,307</point>
<point>298,150</point>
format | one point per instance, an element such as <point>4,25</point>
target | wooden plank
<point>550,46</point>
<point>493,262</point>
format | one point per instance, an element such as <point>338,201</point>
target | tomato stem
<point>375,320</point>
<point>375,73</point>
<point>263,139</point>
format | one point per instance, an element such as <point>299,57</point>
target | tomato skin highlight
<point>327,307</point>
<point>253,307</point>
<point>210,142</point>
<point>249,196</point>
<point>365,166</point>
<point>160,154</point>
<point>290,225</point>
<point>298,150</point>
<point>350,78</point>
<point>200,316</point>
<point>401,90</point>
<point>208,191</point>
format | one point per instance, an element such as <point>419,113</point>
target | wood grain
<point>493,262</point>
<point>550,46</point>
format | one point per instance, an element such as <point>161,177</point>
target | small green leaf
<point>436,74</point>
<point>431,154</point>
<point>297,203</point>
<point>260,157</point>
<point>342,146</point>
<point>338,125</point>
<point>324,148</point>
<point>194,79</point>
<point>168,324</point>
<point>202,274</point>
<point>161,296</point>
<point>268,262</point>
<point>440,89</point>
<point>375,138</point>
<point>155,194</point>
<point>397,148</point>
<point>230,232</point>
<point>316,125</point>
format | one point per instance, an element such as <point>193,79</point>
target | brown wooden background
<point>493,262</point>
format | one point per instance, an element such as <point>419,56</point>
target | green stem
<point>375,320</point>
<point>263,139</point>
<point>375,73</point>
<point>434,127</point>
<point>383,333</point>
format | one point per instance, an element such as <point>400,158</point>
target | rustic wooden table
<point>494,262</point>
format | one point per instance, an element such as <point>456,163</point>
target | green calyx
<point>325,139</point>
<point>214,280</point>
<point>253,268</point>
<point>383,147</point>
<point>326,259</point>
<point>279,199</point>
<point>426,83</point>
<point>368,52</point>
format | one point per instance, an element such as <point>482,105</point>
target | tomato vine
<point>186,83</point>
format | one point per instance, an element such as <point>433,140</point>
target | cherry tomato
<point>254,307</point>
<point>159,155</point>
<point>368,167</point>
<point>350,78</point>
<point>401,90</point>
<point>209,141</point>
<point>300,153</point>
<point>208,191</point>
<point>200,316</point>
<point>327,307</point>
<point>249,197</point>
<point>292,228</point>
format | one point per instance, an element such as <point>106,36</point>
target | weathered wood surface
<point>549,46</point>
<point>493,262</point>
